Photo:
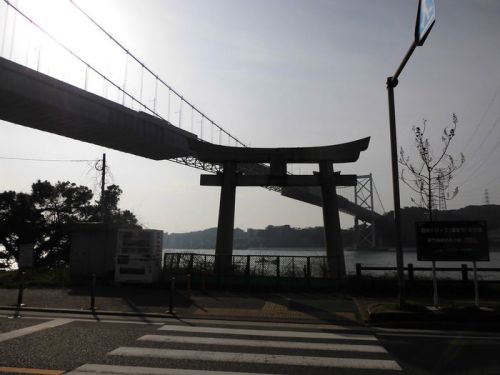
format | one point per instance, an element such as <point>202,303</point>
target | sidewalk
<point>311,307</point>
<point>305,307</point>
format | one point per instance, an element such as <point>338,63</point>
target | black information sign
<point>452,241</point>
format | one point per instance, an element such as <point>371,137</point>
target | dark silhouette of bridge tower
<point>364,232</point>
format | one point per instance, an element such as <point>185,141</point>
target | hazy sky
<point>280,73</point>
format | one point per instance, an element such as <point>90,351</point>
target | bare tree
<point>431,174</point>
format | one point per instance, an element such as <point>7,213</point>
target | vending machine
<point>139,255</point>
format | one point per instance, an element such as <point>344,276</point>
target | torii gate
<point>278,158</point>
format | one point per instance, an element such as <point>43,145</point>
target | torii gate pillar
<point>331,220</point>
<point>250,162</point>
<point>225,227</point>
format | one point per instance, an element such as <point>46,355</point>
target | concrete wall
<point>93,250</point>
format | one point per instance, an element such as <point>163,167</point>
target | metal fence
<point>246,266</point>
<point>463,270</point>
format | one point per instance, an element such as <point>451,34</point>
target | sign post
<point>434,284</point>
<point>426,17</point>
<point>452,241</point>
<point>476,286</point>
<point>25,255</point>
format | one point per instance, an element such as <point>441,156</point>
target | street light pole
<point>426,17</point>
<point>392,82</point>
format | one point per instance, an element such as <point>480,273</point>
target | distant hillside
<point>288,237</point>
<point>271,237</point>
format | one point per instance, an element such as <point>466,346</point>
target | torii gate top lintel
<point>339,153</point>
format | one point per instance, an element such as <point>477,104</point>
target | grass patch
<point>45,277</point>
<point>394,307</point>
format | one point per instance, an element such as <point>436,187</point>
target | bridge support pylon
<point>364,233</point>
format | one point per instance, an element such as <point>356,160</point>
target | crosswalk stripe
<point>357,363</point>
<point>251,332</point>
<point>136,370</point>
<point>32,329</point>
<point>333,327</point>
<point>264,343</point>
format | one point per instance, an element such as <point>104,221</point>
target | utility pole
<point>103,187</point>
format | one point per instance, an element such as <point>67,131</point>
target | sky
<point>281,73</point>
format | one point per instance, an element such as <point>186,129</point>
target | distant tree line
<point>288,237</point>
<point>44,216</point>
<point>282,236</point>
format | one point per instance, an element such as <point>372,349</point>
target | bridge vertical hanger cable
<point>4,35</point>
<point>156,94</point>
<point>125,79</point>
<point>147,69</point>
<point>39,57</point>
<point>86,77</point>
<point>77,57</point>
<point>168,104</point>
<point>142,83</point>
<point>13,33</point>
<point>201,128</point>
<point>180,113</point>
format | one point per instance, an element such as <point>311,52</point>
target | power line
<point>49,160</point>
<point>497,121</point>
<point>487,109</point>
<point>481,164</point>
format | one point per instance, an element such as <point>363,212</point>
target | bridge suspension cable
<point>197,116</point>
<point>157,78</point>
<point>80,59</point>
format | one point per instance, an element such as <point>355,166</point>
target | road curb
<point>487,320</point>
<point>175,316</point>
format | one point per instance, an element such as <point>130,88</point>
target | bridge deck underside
<point>35,100</point>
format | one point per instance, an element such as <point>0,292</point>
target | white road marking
<point>252,332</point>
<point>439,336</point>
<point>270,324</point>
<point>136,370</point>
<point>92,319</point>
<point>267,359</point>
<point>431,332</point>
<point>29,330</point>
<point>263,343</point>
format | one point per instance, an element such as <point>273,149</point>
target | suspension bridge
<point>47,85</point>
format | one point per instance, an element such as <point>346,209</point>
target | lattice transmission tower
<point>486,196</point>
<point>441,191</point>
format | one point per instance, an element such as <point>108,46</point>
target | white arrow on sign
<point>425,20</point>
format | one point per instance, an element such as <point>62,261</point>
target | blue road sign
<point>426,17</point>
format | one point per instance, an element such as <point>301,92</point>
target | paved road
<point>75,345</point>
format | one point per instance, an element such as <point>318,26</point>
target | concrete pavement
<point>307,307</point>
